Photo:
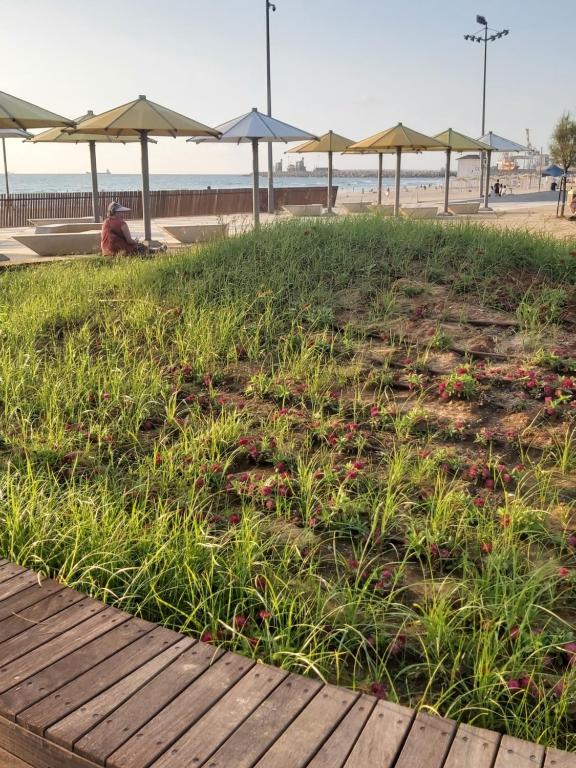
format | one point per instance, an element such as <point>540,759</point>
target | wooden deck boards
<point>83,685</point>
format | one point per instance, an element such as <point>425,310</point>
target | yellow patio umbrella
<point>327,143</point>
<point>397,140</point>
<point>61,135</point>
<point>457,142</point>
<point>144,118</point>
<point>17,113</point>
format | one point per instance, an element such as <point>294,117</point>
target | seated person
<point>116,237</point>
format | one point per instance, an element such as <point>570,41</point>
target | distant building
<point>278,167</point>
<point>468,166</point>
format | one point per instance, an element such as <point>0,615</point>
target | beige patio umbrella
<point>11,133</point>
<point>61,135</point>
<point>397,140</point>
<point>16,113</point>
<point>144,118</point>
<point>457,142</point>
<point>327,143</point>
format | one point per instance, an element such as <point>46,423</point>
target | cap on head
<point>115,207</point>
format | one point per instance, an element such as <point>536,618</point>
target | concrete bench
<point>420,212</point>
<point>383,210</point>
<point>356,207</point>
<point>312,209</point>
<point>465,209</point>
<point>54,229</point>
<point>77,220</point>
<point>63,244</point>
<point>196,233</point>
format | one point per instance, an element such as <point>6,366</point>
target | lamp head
<point>481,20</point>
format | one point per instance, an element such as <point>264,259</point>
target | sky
<point>353,66</point>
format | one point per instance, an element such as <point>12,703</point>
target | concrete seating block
<point>196,233</point>
<point>77,220</point>
<point>298,211</point>
<point>356,207</point>
<point>62,244</point>
<point>464,209</point>
<point>86,226</point>
<point>420,212</point>
<point>383,210</point>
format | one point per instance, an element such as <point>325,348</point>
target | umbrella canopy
<point>457,142</point>
<point>255,127</point>
<point>63,136</point>
<point>10,133</point>
<point>553,170</point>
<point>497,144</point>
<point>328,143</point>
<point>397,140</point>
<point>17,113</point>
<point>144,118</point>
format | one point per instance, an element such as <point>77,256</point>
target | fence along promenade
<point>15,210</point>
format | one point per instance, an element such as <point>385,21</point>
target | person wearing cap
<point>116,237</point>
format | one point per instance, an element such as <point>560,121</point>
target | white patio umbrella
<point>496,144</point>
<point>11,133</point>
<point>255,127</point>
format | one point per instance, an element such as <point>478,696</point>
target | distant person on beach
<point>497,188</point>
<point>553,186</point>
<point>116,237</point>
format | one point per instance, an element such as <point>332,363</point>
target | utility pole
<point>269,7</point>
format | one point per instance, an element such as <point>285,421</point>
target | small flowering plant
<point>461,384</point>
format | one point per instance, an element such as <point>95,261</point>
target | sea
<point>120,182</point>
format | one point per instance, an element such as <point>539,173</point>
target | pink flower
<point>374,411</point>
<point>513,685</point>
<point>264,615</point>
<point>260,583</point>
<point>206,637</point>
<point>564,573</point>
<point>397,645</point>
<point>486,548</point>
<point>234,519</point>
<point>240,621</point>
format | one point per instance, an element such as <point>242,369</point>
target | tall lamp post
<point>269,7</point>
<point>482,36</point>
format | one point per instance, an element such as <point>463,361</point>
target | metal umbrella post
<point>255,184</point>
<point>145,187</point>
<point>5,167</point>
<point>397,192</point>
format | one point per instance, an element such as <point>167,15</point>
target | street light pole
<point>269,6</point>
<point>476,38</point>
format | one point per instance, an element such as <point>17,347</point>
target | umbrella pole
<point>5,168</point>
<point>255,184</point>
<point>447,180</point>
<point>145,186</point>
<point>379,178</point>
<point>487,188</point>
<point>329,206</point>
<point>397,191</point>
<point>94,171</point>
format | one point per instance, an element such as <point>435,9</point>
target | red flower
<point>397,645</point>
<point>260,583</point>
<point>564,573</point>
<point>513,685</point>
<point>374,411</point>
<point>234,519</point>
<point>264,615</point>
<point>571,540</point>
<point>240,621</point>
<point>206,637</point>
<point>514,633</point>
<point>486,548</point>
<point>378,690</point>
<point>200,482</point>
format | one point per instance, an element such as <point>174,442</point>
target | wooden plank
<point>212,730</point>
<point>9,570</point>
<point>257,734</point>
<point>474,747</point>
<point>24,667</point>
<point>150,741</point>
<point>335,751</point>
<point>557,759</point>
<point>11,761</point>
<point>428,742</point>
<point>99,743</point>
<point>517,753</point>
<point>66,716</point>
<point>35,750</point>
<point>38,635</point>
<point>70,667</point>
<point>36,615</point>
<point>382,737</point>
<point>27,597</point>
<point>308,732</point>
<point>17,584</point>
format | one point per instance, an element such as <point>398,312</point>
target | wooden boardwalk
<point>84,685</point>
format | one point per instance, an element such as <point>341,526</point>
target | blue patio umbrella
<point>553,170</point>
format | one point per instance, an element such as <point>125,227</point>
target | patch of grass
<point>248,442</point>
